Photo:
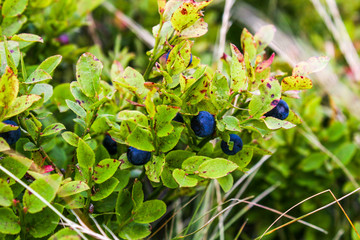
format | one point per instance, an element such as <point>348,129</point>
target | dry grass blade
<point>225,25</point>
<point>267,232</point>
<point>340,34</point>
<point>140,32</point>
<point>219,209</point>
<point>241,229</point>
<point>247,174</point>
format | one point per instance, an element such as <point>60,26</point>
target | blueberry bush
<point>80,156</point>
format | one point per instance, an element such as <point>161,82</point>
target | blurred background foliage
<point>306,158</point>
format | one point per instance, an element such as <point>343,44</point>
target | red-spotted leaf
<point>248,44</point>
<point>105,169</point>
<point>265,64</point>
<point>72,188</point>
<point>237,70</point>
<point>264,37</point>
<point>296,83</point>
<point>199,29</point>
<point>182,178</point>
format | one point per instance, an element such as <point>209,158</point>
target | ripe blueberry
<point>178,118</point>
<point>281,111</point>
<point>137,157</point>
<point>238,145</point>
<point>11,137</point>
<point>110,145</point>
<point>203,124</point>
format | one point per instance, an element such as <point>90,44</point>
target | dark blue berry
<point>238,145</point>
<point>11,137</point>
<point>281,111</point>
<point>178,118</point>
<point>137,157</point>
<point>203,124</point>
<point>110,145</point>
<point>190,60</point>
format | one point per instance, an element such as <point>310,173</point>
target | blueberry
<point>178,118</point>
<point>11,137</point>
<point>281,111</point>
<point>238,145</point>
<point>110,145</point>
<point>137,157</point>
<point>203,124</point>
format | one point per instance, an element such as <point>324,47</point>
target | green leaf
<point>192,164</point>
<point>26,39</point>
<point>80,97</point>
<point>174,159</point>
<point>6,194</point>
<point>84,6</point>
<point>270,93</point>
<point>313,64</point>
<point>274,123</point>
<point>133,115</point>
<point>53,129</point>
<point>123,176</point>
<point>105,189</point>
<point>123,206</point>
<point>219,91</point>
<point>46,187</point>
<point>232,123</point>
<point>71,188</point>
<point>313,162</point>
<point>187,14</point>
<point>76,108</point>
<point>75,201</point>
<point>12,25</point>
<point>9,222</point>
<point>30,147</point>
<point>237,70</point>
<point>248,44</point>
<point>154,168</point>
<point>105,169</point>
<point>85,155</point>
<point>169,142</point>
<point>4,146</point>
<point>133,81</point>
<point>226,182</point>
<point>88,72</point>
<point>43,88</point>
<point>141,139</point>
<point>65,234</point>
<point>71,138</point>
<point>198,29</point>
<point>137,194</point>
<point>243,157</point>
<point>135,231</point>
<point>216,168</point>
<point>17,165</point>
<point>9,85</point>
<point>167,178</point>
<point>179,57</point>
<point>21,104</point>
<point>295,83</point>
<point>13,8</point>
<point>182,178</point>
<point>197,91</point>
<point>38,75</point>
<point>49,64</point>
<point>43,223</point>
<point>163,117</point>
<point>150,211</point>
